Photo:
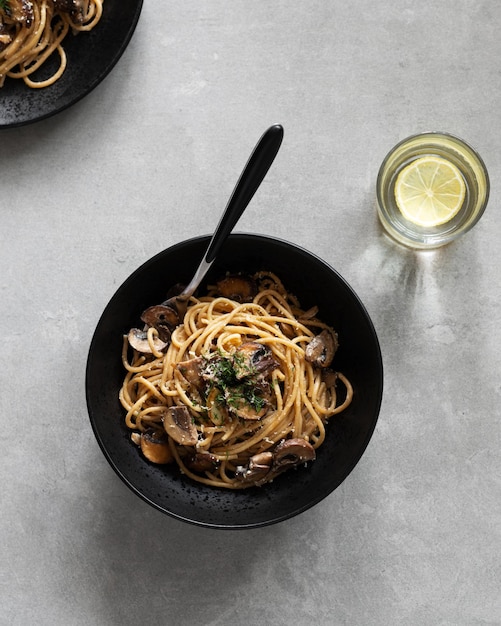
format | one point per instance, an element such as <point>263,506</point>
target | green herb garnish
<point>233,391</point>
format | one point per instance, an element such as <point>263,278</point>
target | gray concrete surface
<point>413,535</point>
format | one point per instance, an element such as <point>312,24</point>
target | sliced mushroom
<point>155,447</point>
<point>20,11</point>
<point>179,425</point>
<point>329,377</point>
<point>136,438</point>
<point>138,339</point>
<point>237,287</point>
<point>253,358</point>
<point>265,466</point>
<point>192,370</point>
<point>321,349</point>
<point>75,9</point>
<point>201,462</point>
<point>291,453</point>
<point>257,469</point>
<point>163,318</point>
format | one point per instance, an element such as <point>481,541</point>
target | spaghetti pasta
<point>32,31</point>
<point>242,391</point>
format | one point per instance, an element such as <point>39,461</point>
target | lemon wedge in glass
<point>430,191</point>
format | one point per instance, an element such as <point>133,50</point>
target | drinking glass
<point>459,154</point>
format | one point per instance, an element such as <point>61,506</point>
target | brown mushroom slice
<point>155,447</point>
<point>163,318</point>
<point>329,377</point>
<point>75,9</point>
<point>20,11</point>
<point>237,287</point>
<point>322,348</point>
<point>138,339</point>
<point>252,358</point>
<point>257,469</point>
<point>179,425</point>
<point>290,453</point>
<point>201,461</point>
<point>192,371</point>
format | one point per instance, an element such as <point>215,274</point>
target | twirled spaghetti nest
<point>242,390</point>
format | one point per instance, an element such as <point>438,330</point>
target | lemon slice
<point>430,191</point>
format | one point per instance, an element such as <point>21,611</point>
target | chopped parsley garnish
<point>235,392</point>
<point>222,373</point>
<point>245,394</point>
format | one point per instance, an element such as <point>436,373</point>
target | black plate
<point>359,356</point>
<point>91,56</point>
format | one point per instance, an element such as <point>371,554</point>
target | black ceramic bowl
<point>348,434</point>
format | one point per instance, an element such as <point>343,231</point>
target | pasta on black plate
<point>32,31</point>
<point>238,391</point>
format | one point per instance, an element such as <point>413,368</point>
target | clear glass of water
<point>476,189</point>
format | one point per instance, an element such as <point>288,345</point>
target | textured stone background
<point>149,158</point>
